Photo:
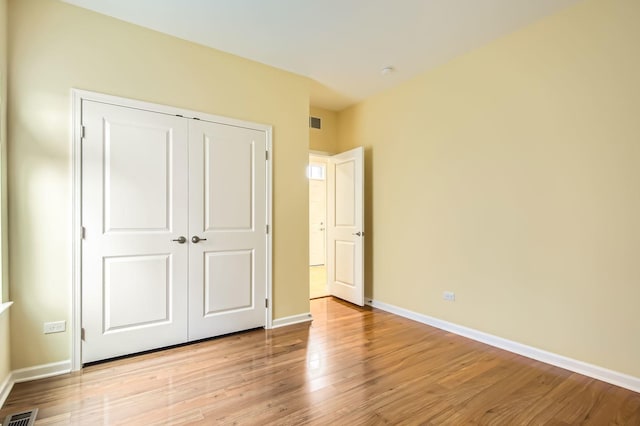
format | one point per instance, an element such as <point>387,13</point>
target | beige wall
<point>54,47</point>
<point>324,139</point>
<point>5,344</point>
<point>511,176</point>
<point>5,348</point>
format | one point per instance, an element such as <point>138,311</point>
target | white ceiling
<point>341,44</point>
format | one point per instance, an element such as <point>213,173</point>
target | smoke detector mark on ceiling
<point>387,70</point>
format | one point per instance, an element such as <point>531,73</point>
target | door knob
<point>180,240</point>
<point>359,234</point>
<point>195,239</point>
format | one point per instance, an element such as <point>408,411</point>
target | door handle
<point>181,240</point>
<point>195,239</point>
<point>359,234</point>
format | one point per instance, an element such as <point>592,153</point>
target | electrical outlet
<point>55,327</point>
<point>449,296</point>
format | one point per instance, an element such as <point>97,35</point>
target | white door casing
<point>134,193</point>
<point>227,204</point>
<point>345,220</point>
<point>137,177</point>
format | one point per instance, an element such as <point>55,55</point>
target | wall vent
<point>315,122</point>
<point>25,418</point>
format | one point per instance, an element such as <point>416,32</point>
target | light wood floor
<point>351,366</point>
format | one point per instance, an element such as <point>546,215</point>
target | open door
<point>345,225</point>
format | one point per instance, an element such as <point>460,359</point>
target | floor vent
<point>26,418</point>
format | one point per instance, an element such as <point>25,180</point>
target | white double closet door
<point>174,218</point>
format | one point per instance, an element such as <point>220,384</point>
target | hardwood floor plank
<point>526,402</point>
<point>350,366</point>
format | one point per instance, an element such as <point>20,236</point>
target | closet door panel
<point>227,214</point>
<point>134,191</point>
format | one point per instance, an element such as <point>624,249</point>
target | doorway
<point>147,177</point>
<point>336,225</point>
<point>317,173</point>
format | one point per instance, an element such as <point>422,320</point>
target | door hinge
<point>267,228</point>
<point>82,334</point>
<point>82,132</point>
<point>83,233</point>
<point>266,303</point>
<point>266,155</point>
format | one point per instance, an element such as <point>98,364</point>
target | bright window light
<point>315,172</point>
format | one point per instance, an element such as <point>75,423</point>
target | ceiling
<point>341,44</point>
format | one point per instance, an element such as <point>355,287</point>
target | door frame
<point>325,159</point>
<point>326,155</point>
<point>77,97</point>
<point>329,156</point>
<point>354,295</point>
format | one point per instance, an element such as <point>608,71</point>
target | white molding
<point>87,95</point>
<point>293,319</point>
<point>5,389</point>
<point>41,371</point>
<point>580,367</point>
<point>5,306</point>
<point>269,277</point>
<point>32,373</point>
<point>76,230</point>
<point>77,97</point>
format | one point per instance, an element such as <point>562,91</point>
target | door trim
<point>77,97</point>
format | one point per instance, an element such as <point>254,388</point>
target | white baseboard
<point>294,319</point>
<point>32,373</point>
<point>580,367</point>
<point>5,389</point>
<point>41,371</point>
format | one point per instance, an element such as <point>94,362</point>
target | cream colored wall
<point>4,241</point>
<point>324,139</point>
<point>54,47</point>
<point>5,343</point>
<point>5,348</point>
<point>511,176</point>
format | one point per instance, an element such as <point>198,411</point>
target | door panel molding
<point>77,133</point>
<point>120,275</point>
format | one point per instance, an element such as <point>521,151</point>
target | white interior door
<point>317,211</point>
<point>134,189</point>
<point>174,216</point>
<point>345,220</point>
<point>227,205</point>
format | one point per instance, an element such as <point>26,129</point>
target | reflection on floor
<point>318,282</point>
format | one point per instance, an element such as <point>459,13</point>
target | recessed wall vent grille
<point>25,418</point>
<point>315,122</point>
